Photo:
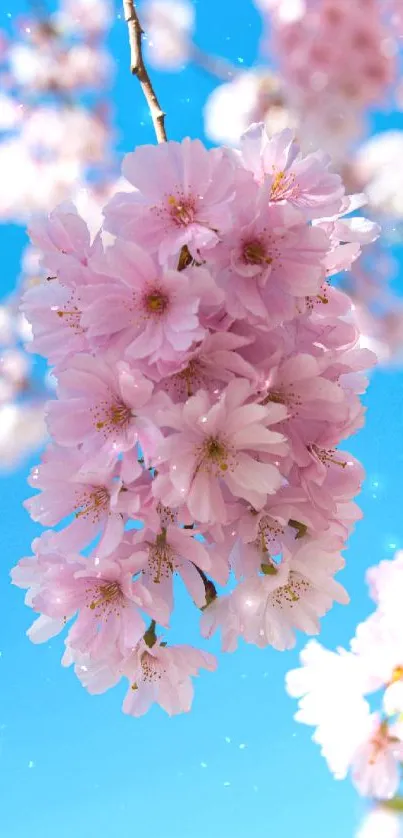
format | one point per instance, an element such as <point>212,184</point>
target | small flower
<point>152,313</point>
<point>162,675</point>
<point>227,442</point>
<point>183,197</point>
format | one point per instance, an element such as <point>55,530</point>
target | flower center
<point>327,456</point>
<point>120,414</point>
<point>379,742</point>
<point>108,417</point>
<point>397,675</point>
<point>288,595</point>
<point>216,452</point>
<point>93,503</point>
<point>254,253</point>
<point>156,302</point>
<point>281,186</point>
<point>187,380</point>
<point>106,597</point>
<point>161,559</point>
<point>151,668</point>
<point>182,210</point>
<point>71,315</point>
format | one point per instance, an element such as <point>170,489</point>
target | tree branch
<point>138,69</point>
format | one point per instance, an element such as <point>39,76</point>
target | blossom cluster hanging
<point>324,65</point>
<point>206,371</point>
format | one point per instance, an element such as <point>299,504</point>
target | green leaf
<point>268,569</point>
<point>302,529</point>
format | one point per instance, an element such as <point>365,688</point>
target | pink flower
<point>54,312</point>
<point>29,574</point>
<point>153,313</point>
<point>97,500</point>
<point>183,197</point>
<point>222,614</point>
<point>158,555</point>
<point>64,240</point>
<point>289,596</point>
<point>304,182</point>
<point>210,366</point>
<point>104,407</point>
<point>270,261</point>
<point>95,674</point>
<point>376,762</point>
<point>223,443</point>
<point>100,592</point>
<point>297,383</point>
<point>162,675</point>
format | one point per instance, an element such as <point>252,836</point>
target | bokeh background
<point>72,765</point>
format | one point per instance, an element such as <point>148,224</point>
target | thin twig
<point>138,69</point>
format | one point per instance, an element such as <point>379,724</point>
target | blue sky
<point>73,766</point>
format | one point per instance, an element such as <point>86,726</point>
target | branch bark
<point>139,69</point>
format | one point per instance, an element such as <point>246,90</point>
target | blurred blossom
<point>22,430</point>
<point>55,143</point>
<point>380,823</point>
<point>169,25</point>
<point>378,170</point>
<point>89,16</point>
<point>252,96</point>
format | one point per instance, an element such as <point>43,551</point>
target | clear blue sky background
<point>73,766</point>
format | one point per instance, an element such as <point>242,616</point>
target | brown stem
<point>209,587</point>
<point>138,69</point>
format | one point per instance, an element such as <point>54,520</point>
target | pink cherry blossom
<point>375,763</point>
<point>206,373</point>
<point>210,366</point>
<point>158,555</point>
<point>99,500</point>
<point>151,312</point>
<point>162,674</point>
<point>304,182</point>
<point>97,408</point>
<point>101,592</point>
<point>182,196</point>
<point>55,309</point>
<point>289,596</point>
<point>225,442</point>
<point>271,262</point>
<point>64,240</point>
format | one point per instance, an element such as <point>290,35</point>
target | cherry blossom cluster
<point>54,125</point>
<point>333,690</point>
<point>313,34</point>
<point>55,142</point>
<point>207,371</point>
<point>328,63</point>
